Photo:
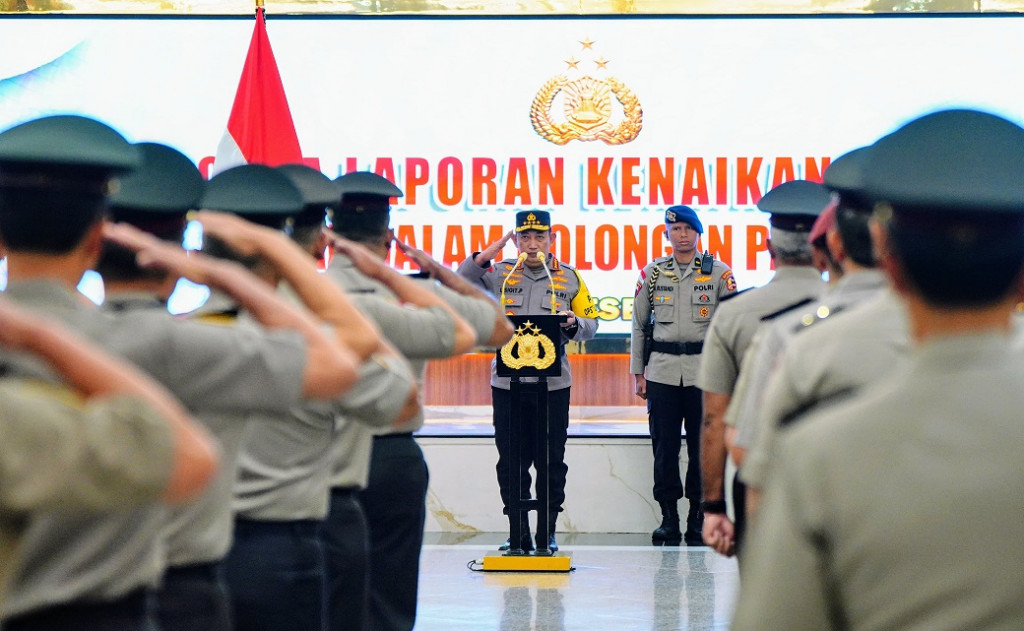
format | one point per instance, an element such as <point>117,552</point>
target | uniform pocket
<point>703,305</point>
<point>664,309</point>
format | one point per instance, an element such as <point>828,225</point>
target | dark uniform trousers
<point>128,613</point>
<point>667,407</point>
<point>524,422</point>
<point>194,597</point>
<point>275,574</point>
<point>394,501</point>
<point>347,546</point>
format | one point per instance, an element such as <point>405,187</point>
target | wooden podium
<point>532,355</point>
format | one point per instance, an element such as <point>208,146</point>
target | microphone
<point>519,261</point>
<point>551,282</point>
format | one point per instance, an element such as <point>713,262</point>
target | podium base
<point>527,563</point>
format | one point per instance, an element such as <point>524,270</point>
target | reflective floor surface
<point>618,583</point>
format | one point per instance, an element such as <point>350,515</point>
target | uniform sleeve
<point>718,370</point>
<point>641,321</point>
<point>785,585</point>
<point>384,385</point>
<point>63,454</point>
<point>234,367</point>
<point>585,308</point>
<point>776,404</point>
<point>758,365</point>
<point>583,304</point>
<point>416,332</point>
<point>726,282</point>
<point>478,311</point>
<point>472,272</point>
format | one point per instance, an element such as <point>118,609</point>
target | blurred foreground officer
<point>808,357</point>
<point>275,568</point>
<point>529,290</point>
<point>98,569</point>
<point>385,395</point>
<point>676,296</point>
<point>855,532</point>
<point>793,207</point>
<point>109,437</point>
<point>421,326</point>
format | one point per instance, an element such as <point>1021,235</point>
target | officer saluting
<point>675,298</point>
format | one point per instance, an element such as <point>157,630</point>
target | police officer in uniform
<point>792,207</point>
<point>786,349</point>
<point>106,438</point>
<point>96,570</point>
<point>528,290</point>
<point>386,394</point>
<point>420,326</point>
<point>841,545</point>
<point>676,296</point>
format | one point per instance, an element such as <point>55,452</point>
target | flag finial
<point>259,4</point>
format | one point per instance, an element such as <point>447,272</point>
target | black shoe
<point>526,544</point>
<point>552,544</point>
<point>668,533</point>
<point>694,535</point>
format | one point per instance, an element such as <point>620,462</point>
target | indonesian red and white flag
<point>260,128</point>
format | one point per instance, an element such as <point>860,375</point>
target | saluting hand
<point>154,253</point>
<point>490,252</point>
<point>425,262</point>
<point>243,237</point>
<point>362,258</point>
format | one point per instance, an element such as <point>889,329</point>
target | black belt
<point>677,348</point>
<point>393,436</point>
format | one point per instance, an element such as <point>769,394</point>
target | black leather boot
<point>668,533</point>
<point>694,535</point>
<point>552,544</point>
<point>525,543</point>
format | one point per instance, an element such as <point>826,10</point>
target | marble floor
<point>619,582</point>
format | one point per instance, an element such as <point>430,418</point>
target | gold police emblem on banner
<point>587,107</point>
<point>524,349</point>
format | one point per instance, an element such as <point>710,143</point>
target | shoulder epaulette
<point>811,318</point>
<point>798,414</point>
<point>786,309</point>
<point>733,295</point>
<point>419,274</point>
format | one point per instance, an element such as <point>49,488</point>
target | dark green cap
<point>317,190</point>
<point>65,151</point>
<point>257,192</point>
<point>365,183</point>
<point>949,162</point>
<point>845,174</point>
<point>68,140</point>
<point>168,182</point>
<point>795,205</point>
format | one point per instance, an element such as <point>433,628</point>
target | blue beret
<point>685,214</point>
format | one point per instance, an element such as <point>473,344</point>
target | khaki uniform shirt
<point>901,507</point>
<point>684,302</point>
<point>829,357</point>
<point>529,291</point>
<point>775,334</point>
<point>416,333</point>
<point>210,369</point>
<point>60,454</point>
<point>735,322</point>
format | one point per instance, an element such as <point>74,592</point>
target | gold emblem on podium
<point>587,107</point>
<point>524,349</point>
